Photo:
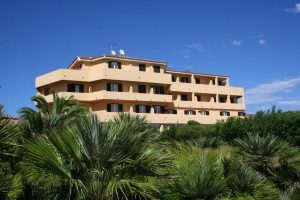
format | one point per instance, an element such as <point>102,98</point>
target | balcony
<point>102,73</point>
<point>206,89</point>
<point>208,105</point>
<point>108,95</point>
<point>164,118</point>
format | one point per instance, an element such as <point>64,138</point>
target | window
<point>114,65</point>
<point>197,80</point>
<point>158,89</point>
<point>222,99</point>
<point>142,67</point>
<point>115,87</point>
<point>184,80</point>
<point>224,113</point>
<point>46,91</point>
<point>141,88</point>
<point>171,111</point>
<point>114,107</point>
<point>142,109</point>
<point>213,82</point>
<point>158,109</point>
<point>241,114</point>
<point>156,69</point>
<point>190,112</point>
<point>206,113</point>
<point>173,79</point>
<point>198,97</point>
<point>75,88</point>
<point>184,97</point>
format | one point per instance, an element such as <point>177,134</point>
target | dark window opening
<point>114,65</point>
<point>158,109</point>
<point>142,67</point>
<point>156,69</point>
<point>184,80</point>
<point>142,108</point>
<point>241,114</point>
<point>190,112</point>
<point>75,88</point>
<point>173,79</point>
<point>184,97</point>
<point>158,89</point>
<point>141,88</point>
<point>198,97</point>
<point>46,91</point>
<point>197,80</point>
<point>206,113</point>
<point>114,107</point>
<point>114,87</point>
<point>171,111</point>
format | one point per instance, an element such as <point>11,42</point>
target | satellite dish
<point>122,52</point>
<point>113,52</point>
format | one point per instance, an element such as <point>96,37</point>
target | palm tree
<point>62,112</point>
<point>93,160</point>
<point>10,180</point>
<point>197,174</point>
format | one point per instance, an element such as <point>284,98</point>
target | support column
<point>130,89</point>
<point>216,81</point>
<point>227,81</point>
<point>90,89</point>
<point>151,90</point>
<point>192,79</point>
<point>217,98</point>
<point>178,97</point>
<point>152,110</point>
<point>177,79</point>
<point>130,109</point>
<point>228,99</point>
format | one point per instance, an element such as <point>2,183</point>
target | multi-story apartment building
<point>110,84</point>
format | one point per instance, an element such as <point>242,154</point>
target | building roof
<point>92,59</point>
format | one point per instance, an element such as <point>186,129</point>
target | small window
<point>197,80</point>
<point>158,89</point>
<point>141,88</point>
<point>170,111</point>
<point>173,79</point>
<point>114,107</point>
<point>114,87</point>
<point>241,114</point>
<point>222,99</point>
<point>190,112</point>
<point>198,97</point>
<point>142,67</point>
<point>213,82</point>
<point>158,109</point>
<point>205,113</point>
<point>156,69</point>
<point>224,113</point>
<point>114,65</point>
<point>142,109</point>
<point>46,91</point>
<point>184,97</point>
<point>184,80</point>
<point>75,88</point>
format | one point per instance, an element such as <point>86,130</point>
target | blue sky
<point>256,42</point>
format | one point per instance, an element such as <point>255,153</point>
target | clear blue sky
<point>256,42</point>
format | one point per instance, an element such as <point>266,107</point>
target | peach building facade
<point>111,84</point>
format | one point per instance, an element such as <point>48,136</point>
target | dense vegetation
<point>61,151</point>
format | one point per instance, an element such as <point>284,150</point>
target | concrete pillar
<point>228,99</point>
<point>178,97</point>
<point>130,89</point>
<point>216,81</point>
<point>131,109</point>
<point>217,98</point>
<point>192,79</point>
<point>227,81</point>
<point>90,89</point>
<point>151,90</point>
<point>161,128</point>
<point>152,110</point>
<point>177,79</point>
<point>193,97</point>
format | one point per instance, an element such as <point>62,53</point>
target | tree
<point>93,160</point>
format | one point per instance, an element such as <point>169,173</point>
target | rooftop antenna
<point>112,51</point>
<point>122,52</point>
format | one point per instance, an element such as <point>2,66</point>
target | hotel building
<point>110,84</point>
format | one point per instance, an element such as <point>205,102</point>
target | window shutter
<point>207,112</point>
<point>221,113</point>
<point>137,108</point>
<point>175,112</point>
<point>119,65</point>
<point>185,112</point>
<point>194,112</point>
<point>108,88</point>
<point>162,90</point>
<point>120,88</point>
<point>228,113</point>
<point>148,109</point>
<point>109,64</point>
<point>120,107</point>
<point>162,109</point>
<point>81,88</point>
<point>108,107</point>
